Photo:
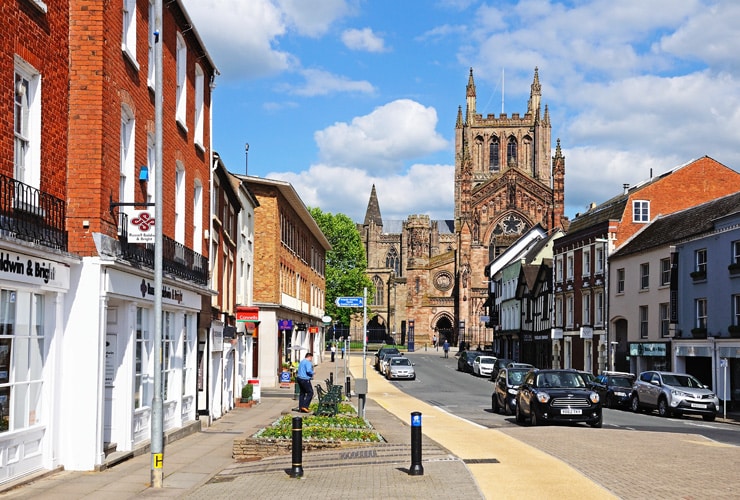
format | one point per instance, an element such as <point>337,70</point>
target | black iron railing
<point>32,215</point>
<point>176,258</point>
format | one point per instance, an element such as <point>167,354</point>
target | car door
<point>500,388</point>
<point>525,394</point>
<point>652,390</point>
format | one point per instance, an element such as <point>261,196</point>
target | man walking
<point>303,378</point>
<point>446,348</point>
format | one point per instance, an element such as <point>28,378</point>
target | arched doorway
<point>444,330</point>
<point>377,331</point>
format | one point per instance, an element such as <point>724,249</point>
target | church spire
<point>535,94</point>
<point>470,98</point>
<point>372,214</point>
<point>459,122</point>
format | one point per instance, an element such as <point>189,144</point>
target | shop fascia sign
<point>170,293</point>
<point>27,269</point>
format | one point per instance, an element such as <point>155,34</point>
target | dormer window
<point>640,211</point>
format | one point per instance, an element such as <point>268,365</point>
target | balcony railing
<point>31,215</point>
<point>176,258</point>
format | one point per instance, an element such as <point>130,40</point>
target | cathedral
<point>429,275</point>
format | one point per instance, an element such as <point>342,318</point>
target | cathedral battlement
<point>503,119</point>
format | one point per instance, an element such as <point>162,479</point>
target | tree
<point>346,264</point>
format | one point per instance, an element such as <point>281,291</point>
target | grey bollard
<point>416,468</point>
<point>297,447</point>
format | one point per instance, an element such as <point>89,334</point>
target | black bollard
<point>297,446</point>
<point>347,387</point>
<point>331,378</point>
<point>416,468</point>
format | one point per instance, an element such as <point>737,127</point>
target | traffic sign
<point>349,302</point>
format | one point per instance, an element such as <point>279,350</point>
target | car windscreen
<point>560,379</point>
<point>400,362</point>
<point>486,360</point>
<point>682,381</point>
<point>620,381</point>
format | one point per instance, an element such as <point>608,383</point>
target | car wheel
<point>519,416</point>
<point>494,403</point>
<point>609,401</point>
<point>709,418</point>
<point>533,418</point>
<point>663,409</point>
<point>599,423</point>
<point>507,409</point>
<point>635,404</point>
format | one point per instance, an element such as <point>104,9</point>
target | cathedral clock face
<point>443,281</point>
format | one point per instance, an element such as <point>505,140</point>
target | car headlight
<point>681,394</point>
<point>512,391</point>
<point>543,397</point>
<point>594,397</point>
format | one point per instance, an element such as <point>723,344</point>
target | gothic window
<point>392,261</point>
<point>493,155</point>
<point>479,153</point>
<point>511,150</point>
<point>379,287</point>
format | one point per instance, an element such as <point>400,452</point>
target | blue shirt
<point>305,369</point>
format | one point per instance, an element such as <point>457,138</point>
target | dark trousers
<point>306,395</point>
<point>332,356</point>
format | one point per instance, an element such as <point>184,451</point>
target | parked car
<point>557,396</point>
<point>673,393</point>
<point>501,363</point>
<point>520,365</point>
<point>505,387</point>
<point>465,361</point>
<point>384,358</point>
<point>389,348</point>
<point>615,389</point>
<point>399,367</point>
<point>592,381</point>
<point>483,365</point>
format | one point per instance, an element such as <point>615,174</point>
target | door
<point>111,362</point>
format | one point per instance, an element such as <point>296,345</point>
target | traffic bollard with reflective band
<point>347,388</point>
<point>297,445</point>
<point>416,468</point>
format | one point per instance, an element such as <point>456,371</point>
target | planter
<point>734,268</point>
<point>698,275</point>
<point>734,331</point>
<point>241,403</point>
<point>699,333</point>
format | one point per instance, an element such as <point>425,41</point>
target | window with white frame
<point>701,260</point>
<point>199,96</point>
<point>640,211</point>
<point>169,353</point>
<point>127,167</point>
<point>644,276</point>
<point>181,92</point>
<point>569,270</point>
<point>736,252</point>
<point>664,312</point>
<point>151,76</point>
<point>620,280</point>
<point>643,322</point>
<point>700,305</point>
<point>180,204</point>
<point>151,160</point>
<point>559,269</point>
<point>27,124</point>
<point>599,260</point>
<point>128,44</point>
<point>142,387</point>
<point>558,320</point>
<point>198,217</point>
<point>599,309</point>
<point>736,310</point>
<point>586,262</point>
<point>188,346</point>
<point>22,359</point>
<point>569,311</point>
<point>665,271</point>
<point>586,313</point>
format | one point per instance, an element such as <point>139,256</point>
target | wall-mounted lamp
<point>144,173</point>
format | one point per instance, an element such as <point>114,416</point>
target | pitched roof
<point>681,225</point>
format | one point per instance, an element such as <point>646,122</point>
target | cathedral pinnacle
<point>536,87</point>
<point>558,152</point>
<point>471,85</point>
<point>372,214</point>
<point>459,122</point>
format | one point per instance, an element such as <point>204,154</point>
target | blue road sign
<point>349,301</point>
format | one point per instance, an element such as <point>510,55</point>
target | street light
<point>391,283</point>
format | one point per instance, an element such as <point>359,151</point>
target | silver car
<point>673,393</point>
<point>400,367</point>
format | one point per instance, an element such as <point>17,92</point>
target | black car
<point>505,388</point>
<point>557,396</point>
<point>385,349</point>
<point>465,361</point>
<point>615,389</point>
<point>500,364</point>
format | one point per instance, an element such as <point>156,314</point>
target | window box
<point>734,268</point>
<point>734,331</point>
<point>699,333</point>
<point>698,275</point>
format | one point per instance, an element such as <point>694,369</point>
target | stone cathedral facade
<point>431,273</point>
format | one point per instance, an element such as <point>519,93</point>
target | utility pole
<point>157,448</point>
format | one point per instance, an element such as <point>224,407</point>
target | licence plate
<point>697,405</point>
<point>570,411</point>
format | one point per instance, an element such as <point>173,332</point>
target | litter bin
<point>255,383</point>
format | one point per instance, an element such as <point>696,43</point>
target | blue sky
<point>334,96</point>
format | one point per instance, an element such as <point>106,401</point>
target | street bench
<point>328,400</point>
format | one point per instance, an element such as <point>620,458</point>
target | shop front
<point>649,356</point>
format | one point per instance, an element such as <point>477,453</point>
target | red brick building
<point>583,333</point>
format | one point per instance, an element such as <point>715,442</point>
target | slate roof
<point>679,226</point>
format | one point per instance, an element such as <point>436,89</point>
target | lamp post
<point>391,284</point>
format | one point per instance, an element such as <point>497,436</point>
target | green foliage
<point>247,392</point>
<point>319,428</point>
<point>346,263</point>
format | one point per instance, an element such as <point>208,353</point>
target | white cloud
<point>381,141</point>
<point>423,189</point>
<point>318,82</point>
<point>363,40</point>
<point>313,18</point>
